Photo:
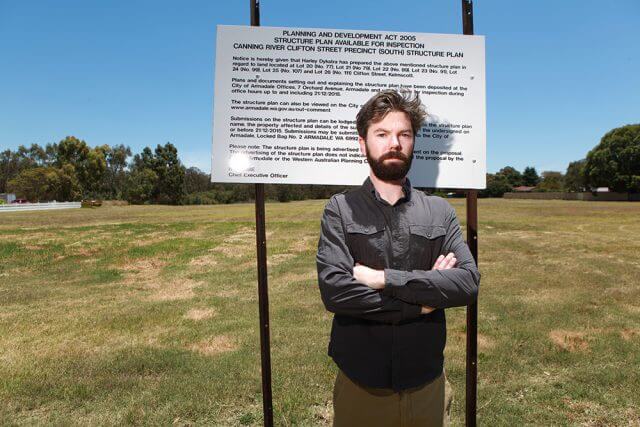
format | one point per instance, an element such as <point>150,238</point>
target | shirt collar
<point>371,189</point>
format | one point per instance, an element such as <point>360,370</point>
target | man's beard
<point>394,171</point>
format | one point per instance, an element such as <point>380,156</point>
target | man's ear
<point>363,149</point>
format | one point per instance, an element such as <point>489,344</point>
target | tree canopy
<point>615,161</point>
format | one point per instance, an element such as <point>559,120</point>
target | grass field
<point>148,315</point>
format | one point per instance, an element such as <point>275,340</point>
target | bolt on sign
<point>286,99</point>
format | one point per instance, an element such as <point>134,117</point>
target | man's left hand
<point>370,277</point>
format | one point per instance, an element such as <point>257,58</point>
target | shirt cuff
<point>393,279</point>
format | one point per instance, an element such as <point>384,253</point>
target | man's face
<point>389,146</point>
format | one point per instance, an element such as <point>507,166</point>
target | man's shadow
<point>431,140</point>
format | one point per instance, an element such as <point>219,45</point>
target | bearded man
<point>390,260</point>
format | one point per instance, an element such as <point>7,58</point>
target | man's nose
<point>395,141</point>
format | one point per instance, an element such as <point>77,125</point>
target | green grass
<point>148,315</point>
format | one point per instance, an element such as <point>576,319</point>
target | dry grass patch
<point>203,261</point>
<point>277,259</point>
<point>192,234</point>
<point>628,334</point>
<point>143,271</point>
<point>571,341</point>
<point>545,295</point>
<point>176,289</point>
<point>200,313</point>
<point>323,413</point>
<point>240,243</point>
<point>297,277</point>
<point>214,345</point>
<point>305,243</point>
<point>281,281</point>
<point>84,251</point>
<point>632,308</point>
<point>581,409</point>
<point>484,342</point>
<point>33,247</point>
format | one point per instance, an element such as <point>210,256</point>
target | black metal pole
<point>263,290</point>
<point>472,241</point>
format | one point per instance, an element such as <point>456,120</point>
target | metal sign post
<point>472,241</point>
<point>263,292</point>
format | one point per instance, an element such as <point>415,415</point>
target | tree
<point>574,178</point>
<point>196,181</point>
<point>530,177</point>
<point>88,163</point>
<point>9,168</point>
<point>615,161</point>
<point>497,185</point>
<point>512,175</point>
<point>46,184</point>
<point>169,171</point>
<point>141,184</point>
<point>551,181</point>
<point>170,174</point>
<point>115,174</point>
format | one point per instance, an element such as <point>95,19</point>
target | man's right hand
<point>442,263</point>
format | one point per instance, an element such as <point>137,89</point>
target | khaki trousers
<point>355,405</point>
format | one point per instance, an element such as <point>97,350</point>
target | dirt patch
<point>177,289</point>
<point>200,313</point>
<point>571,341</point>
<point>214,345</point>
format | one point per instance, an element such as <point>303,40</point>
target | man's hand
<point>445,262</point>
<point>375,278</point>
<point>370,277</point>
<point>442,263</point>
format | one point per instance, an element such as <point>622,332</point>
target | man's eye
<point>380,135</point>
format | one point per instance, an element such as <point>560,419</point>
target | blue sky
<point>559,73</point>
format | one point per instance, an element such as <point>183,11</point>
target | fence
<point>39,206</point>
<point>592,197</point>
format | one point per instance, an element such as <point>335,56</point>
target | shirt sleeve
<point>457,286</point>
<point>340,292</point>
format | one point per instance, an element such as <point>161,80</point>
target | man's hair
<point>387,101</point>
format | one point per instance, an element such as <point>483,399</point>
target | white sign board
<point>286,99</point>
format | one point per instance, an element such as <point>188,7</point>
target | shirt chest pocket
<point>425,245</point>
<point>367,243</point>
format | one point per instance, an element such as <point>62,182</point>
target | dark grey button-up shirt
<point>379,338</point>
